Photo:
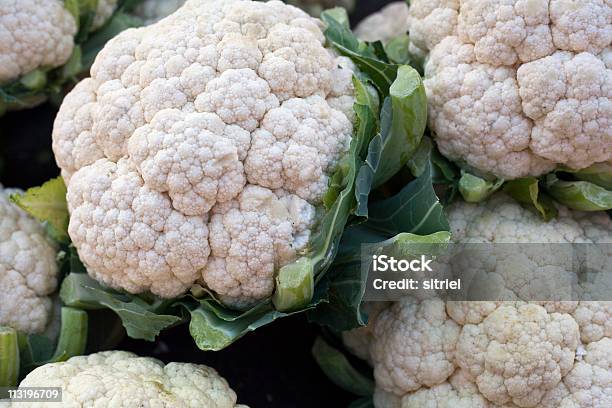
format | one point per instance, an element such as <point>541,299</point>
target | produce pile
<point>222,164</point>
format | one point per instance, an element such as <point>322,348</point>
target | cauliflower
<point>104,10</point>
<point>431,21</point>
<point>34,34</point>
<point>491,354</point>
<point>117,378</point>
<point>358,340</point>
<point>413,346</point>
<point>518,353</point>
<point>518,87</point>
<point>390,22</point>
<point>200,149</point>
<point>28,270</point>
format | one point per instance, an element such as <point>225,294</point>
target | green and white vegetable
<point>211,175</point>
<point>34,328</point>
<point>494,354</point>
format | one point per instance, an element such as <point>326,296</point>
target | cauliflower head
<point>34,34</point>
<point>117,378</point>
<point>201,147</point>
<point>413,346</point>
<point>516,88</point>
<point>28,270</point>
<point>518,353</point>
<point>390,22</point>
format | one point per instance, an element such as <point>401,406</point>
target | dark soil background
<point>271,367</point>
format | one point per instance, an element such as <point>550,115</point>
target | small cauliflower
<point>117,378</point>
<point>431,21</point>
<point>34,34</point>
<point>413,346</point>
<point>518,353</point>
<point>200,149</point>
<point>519,87</point>
<point>390,22</point>
<point>28,270</point>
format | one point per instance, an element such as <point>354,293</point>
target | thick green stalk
<point>73,335</point>
<point>9,357</point>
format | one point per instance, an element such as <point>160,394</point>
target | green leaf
<point>415,209</point>
<point>363,55</point>
<point>403,120</point>
<point>407,123</point>
<point>599,173</point>
<point>527,191</point>
<point>579,195</point>
<point>74,66</point>
<point>142,319</point>
<point>475,189</point>
<point>9,357</point>
<point>398,51</point>
<point>47,203</point>
<point>214,327</point>
<point>340,371</point>
<point>340,15</point>
<point>365,402</point>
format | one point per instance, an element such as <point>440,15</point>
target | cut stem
<point>9,357</point>
<point>73,335</point>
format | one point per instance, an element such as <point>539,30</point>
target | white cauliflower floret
<point>475,110</point>
<point>177,122</point>
<point>589,383</point>
<point>390,22</point>
<point>577,101</point>
<point>118,378</point>
<point>594,319</point>
<point>414,345</point>
<point>151,11</point>
<point>130,236</point>
<point>506,32</point>
<point>521,85</point>
<point>315,7</point>
<point>431,21</point>
<point>518,353</point>
<point>28,270</point>
<point>249,238</point>
<point>34,34</point>
<point>458,392</point>
<point>581,25</point>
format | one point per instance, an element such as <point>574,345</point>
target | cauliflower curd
<point>28,270</point>
<point>496,354</point>
<point>518,87</point>
<point>201,146</point>
<point>122,379</point>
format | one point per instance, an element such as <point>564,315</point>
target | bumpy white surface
<point>430,21</point>
<point>414,345</point>
<point>34,34</point>
<point>518,353</point>
<point>179,122</point>
<point>516,87</point>
<point>28,271</point>
<point>388,23</point>
<point>122,379</point>
<point>151,11</point>
<point>508,354</point>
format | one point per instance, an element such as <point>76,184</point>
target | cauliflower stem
<point>9,357</point>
